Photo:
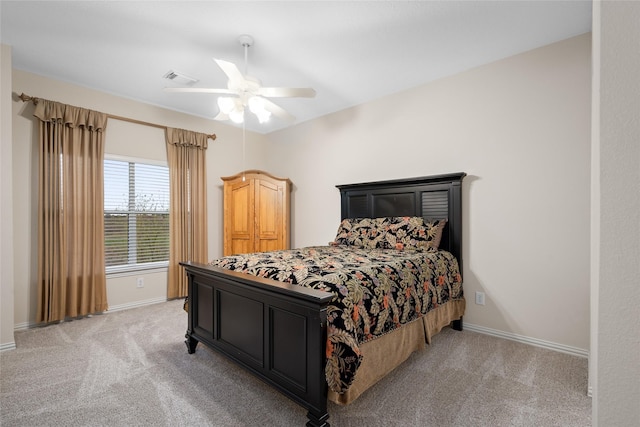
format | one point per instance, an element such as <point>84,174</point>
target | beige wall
<point>520,128</point>
<point>122,138</point>
<point>6,195</point>
<point>616,139</point>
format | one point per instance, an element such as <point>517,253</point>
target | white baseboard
<point>23,326</point>
<point>119,307</point>
<point>7,346</point>
<point>574,351</point>
<point>129,305</point>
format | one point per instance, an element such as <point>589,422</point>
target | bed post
<point>318,420</point>
<point>317,399</point>
<point>190,341</point>
<point>455,216</point>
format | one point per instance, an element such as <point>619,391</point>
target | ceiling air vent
<point>180,78</point>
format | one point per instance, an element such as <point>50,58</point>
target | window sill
<point>136,270</point>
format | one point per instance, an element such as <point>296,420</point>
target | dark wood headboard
<point>431,197</point>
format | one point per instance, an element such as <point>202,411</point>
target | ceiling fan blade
<point>199,90</point>
<point>222,116</point>
<point>286,92</point>
<point>230,69</point>
<point>277,110</point>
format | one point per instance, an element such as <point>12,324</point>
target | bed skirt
<point>382,355</point>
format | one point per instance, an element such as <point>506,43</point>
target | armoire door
<point>239,218</point>
<point>268,205</point>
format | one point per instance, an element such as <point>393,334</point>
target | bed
<point>291,327</point>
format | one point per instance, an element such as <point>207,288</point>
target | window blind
<point>136,214</point>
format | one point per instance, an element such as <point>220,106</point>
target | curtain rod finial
<point>25,98</point>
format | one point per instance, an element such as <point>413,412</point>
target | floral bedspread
<point>375,291</point>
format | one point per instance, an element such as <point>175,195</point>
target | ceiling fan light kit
<point>247,92</point>
<point>257,107</point>
<point>231,107</point>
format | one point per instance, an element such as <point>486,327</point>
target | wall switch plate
<point>480,298</point>
<point>140,282</point>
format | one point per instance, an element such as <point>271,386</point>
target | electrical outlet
<point>140,282</point>
<point>480,298</point>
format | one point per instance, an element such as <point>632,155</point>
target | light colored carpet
<point>131,368</point>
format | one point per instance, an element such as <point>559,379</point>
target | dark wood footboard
<point>275,330</point>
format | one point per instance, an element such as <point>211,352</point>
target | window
<point>136,215</point>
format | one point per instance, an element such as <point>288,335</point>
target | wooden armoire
<point>256,212</point>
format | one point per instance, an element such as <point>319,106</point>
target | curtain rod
<point>26,98</point>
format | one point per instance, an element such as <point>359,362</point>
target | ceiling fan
<point>247,92</point>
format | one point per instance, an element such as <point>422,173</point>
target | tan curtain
<point>71,265</point>
<point>188,204</point>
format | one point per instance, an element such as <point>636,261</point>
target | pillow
<point>390,233</point>
<point>430,235</point>
<point>355,232</point>
<point>410,233</point>
<point>434,229</point>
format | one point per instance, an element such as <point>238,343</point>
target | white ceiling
<point>349,52</point>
